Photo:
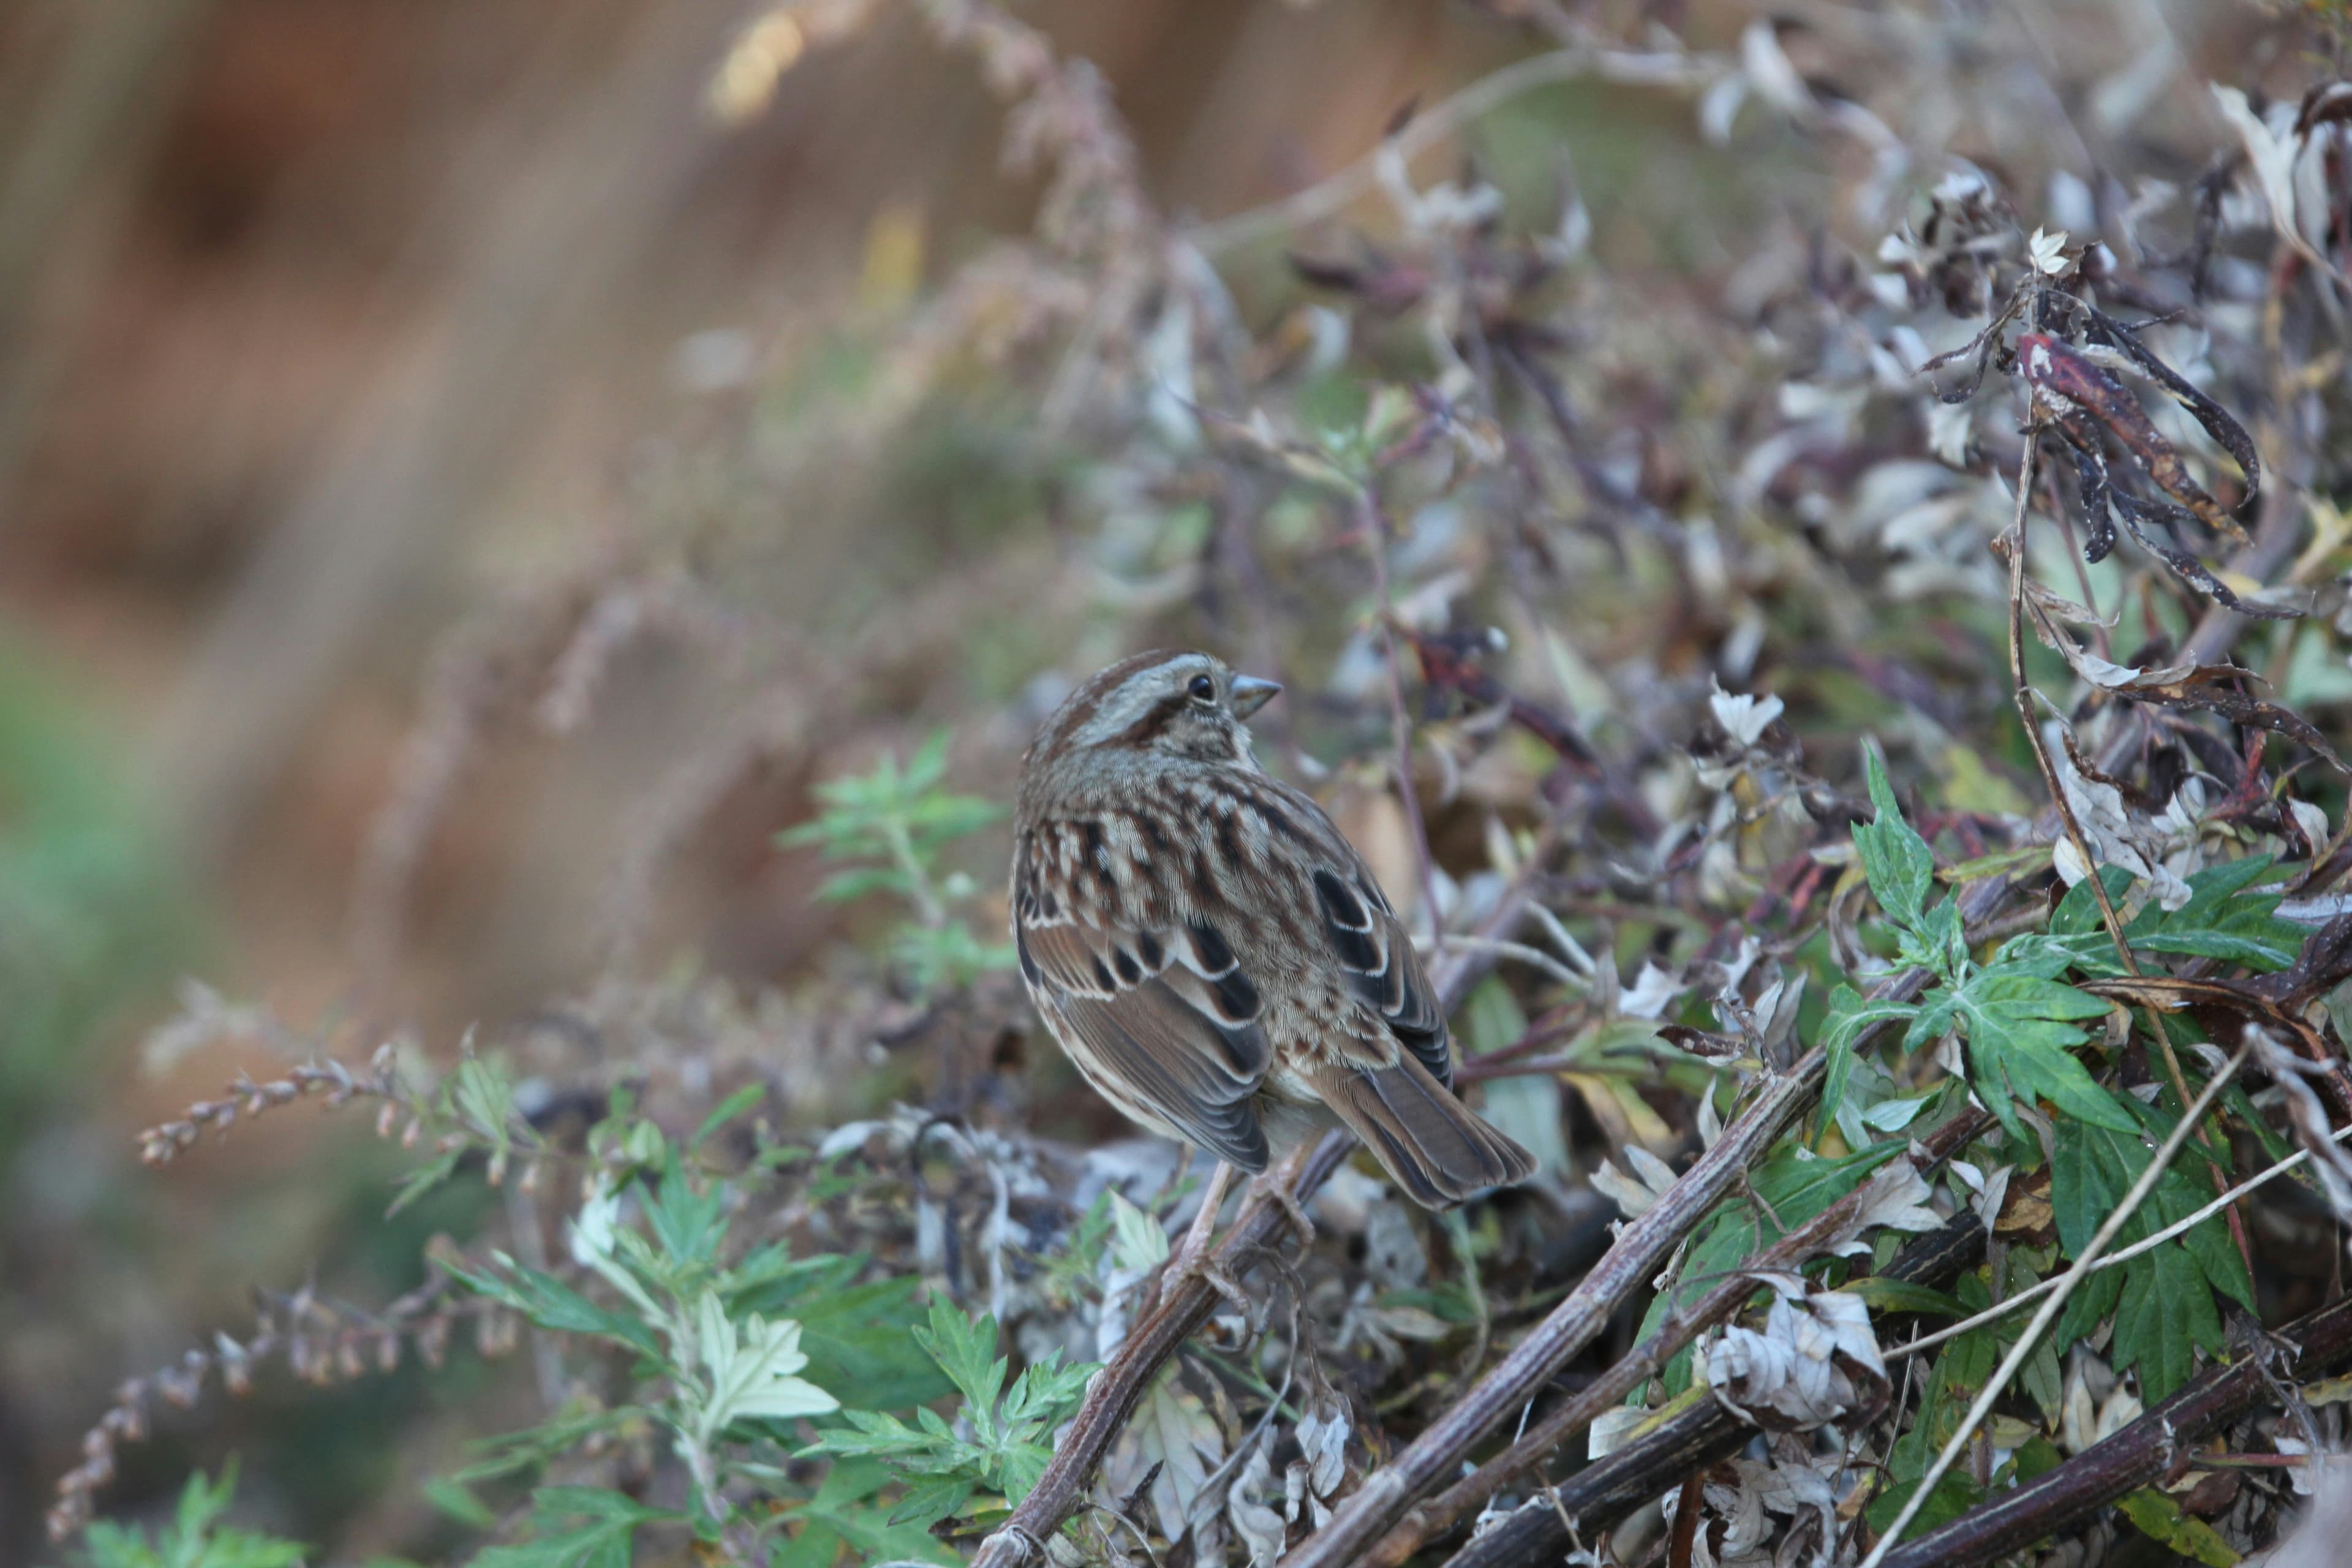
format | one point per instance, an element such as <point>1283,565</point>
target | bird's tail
<point>1431,1144</point>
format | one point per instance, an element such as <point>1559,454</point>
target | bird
<point>1212,954</point>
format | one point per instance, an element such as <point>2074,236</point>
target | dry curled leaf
<point>1815,1362</point>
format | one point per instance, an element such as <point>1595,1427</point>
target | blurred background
<point>469,468</point>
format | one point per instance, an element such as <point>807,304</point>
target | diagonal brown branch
<point>1690,1436</point>
<point>1640,1250</point>
<point>1650,1357</point>
<point>2142,1453</point>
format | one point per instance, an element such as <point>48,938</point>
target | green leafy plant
<point>2021,1024</point>
<point>577,1527</point>
<point>895,824</point>
<point>999,1445</point>
<point>740,1356</point>
<point>2021,1019</point>
<point>195,1539</point>
<point>724,1365</point>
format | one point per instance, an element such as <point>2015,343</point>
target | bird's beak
<point>1250,694</point>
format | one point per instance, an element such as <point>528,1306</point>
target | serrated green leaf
<point>2162,1300</point>
<point>689,1225</point>
<point>2020,1028</point>
<point>194,1537</point>
<point>576,1527</point>
<point>1900,866</point>
<point>928,1501</point>
<point>965,1349</point>
<point>549,1304</point>
<point>2223,921</point>
<point>860,1340</point>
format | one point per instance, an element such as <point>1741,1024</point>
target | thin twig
<point>2115,1259</point>
<point>1374,526</point>
<point>1647,1359</point>
<point>1640,1250</point>
<point>2024,694</point>
<point>2029,1341</point>
<point>1116,1389</point>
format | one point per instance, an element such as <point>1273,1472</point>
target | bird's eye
<point>1202,688</point>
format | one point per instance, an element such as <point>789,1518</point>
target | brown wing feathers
<point>1166,1021</point>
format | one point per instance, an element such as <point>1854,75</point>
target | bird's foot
<point>1279,1194</point>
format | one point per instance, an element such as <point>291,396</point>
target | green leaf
<point>1851,1015</point>
<point>2020,1028</point>
<point>843,1508</point>
<point>551,1304</point>
<point>861,1342</point>
<point>689,1224</point>
<point>1797,1185</point>
<point>576,1527</point>
<point>2156,1516</point>
<point>2221,921</point>
<point>965,1349</point>
<point>425,1178</point>
<point>843,886</point>
<point>1899,865</point>
<point>1884,1295</point>
<point>1945,1401</point>
<point>452,1499</point>
<point>2162,1300</point>
<point>927,1502</point>
<point>193,1538</point>
<point>752,1365</point>
<point>1046,1391</point>
<point>728,1110</point>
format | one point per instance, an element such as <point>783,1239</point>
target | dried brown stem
<point>2142,1453</point>
<point>1112,1396</point>
<point>1650,1357</point>
<point>1640,1251</point>
<point>1690,1438</point>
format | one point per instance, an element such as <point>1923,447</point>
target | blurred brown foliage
<point>470,468</point>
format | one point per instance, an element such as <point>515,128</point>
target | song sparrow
<point>1209,951</point>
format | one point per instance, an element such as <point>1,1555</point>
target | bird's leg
<point>1193,1256</point>
<point>1194,1260</point>
<point>1276,1186</point>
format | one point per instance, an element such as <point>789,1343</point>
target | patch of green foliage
<point>2020,1018</point>
<point>755,1362</point>
<point>195,1539</point>
<point>893,826</point>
